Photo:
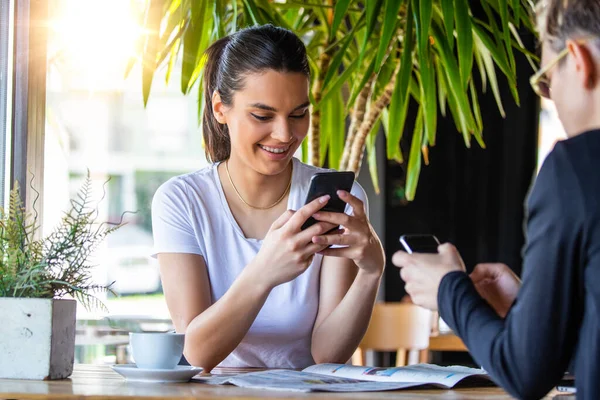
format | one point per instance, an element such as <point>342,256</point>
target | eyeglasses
<point>540,82</point>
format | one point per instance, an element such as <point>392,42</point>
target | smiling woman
<point>233,257</point>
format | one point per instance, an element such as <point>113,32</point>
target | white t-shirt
<point>190,215</point>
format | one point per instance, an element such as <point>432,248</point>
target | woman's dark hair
<point>230,59</point>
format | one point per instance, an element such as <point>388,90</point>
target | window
<point>6,61</point>
<point>96,121</point>
<point>551,130</point>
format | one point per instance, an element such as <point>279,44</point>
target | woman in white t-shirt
<point>245,284</point>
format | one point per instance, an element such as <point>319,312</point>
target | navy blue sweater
<point>555,318</point>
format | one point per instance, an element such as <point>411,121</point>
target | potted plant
<point>40,278</point>
<point>369,59</point>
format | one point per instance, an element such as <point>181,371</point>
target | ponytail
<point>216,135</point>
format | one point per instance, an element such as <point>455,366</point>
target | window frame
<point>6,73</point>
<point>27,129</point>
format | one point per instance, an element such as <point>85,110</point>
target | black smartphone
<point>419,243</point>
<point>567,384</point>
<point>323,183</point>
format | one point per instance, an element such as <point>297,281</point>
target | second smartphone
<point>419,243</point>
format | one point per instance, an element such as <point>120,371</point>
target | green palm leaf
<point>341,7</point>
<point>390,23</point>
<point>399,103</point>
<point>414,159</point>
<point>465,41</point>
<point>191,43</point>
<point>503,10</point>
<point>340,54</point>
<point>466,119</point>
<point>372,155</point>
<point>448,16</point>
<point>490,71</point>
<point>153,18</point>
<point>372,7</point>
<point>365,40</point>
<point>334,121</point>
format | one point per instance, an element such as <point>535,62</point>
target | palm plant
<point>368,59</point>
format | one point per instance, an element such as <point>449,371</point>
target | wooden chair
<point>399,327</point>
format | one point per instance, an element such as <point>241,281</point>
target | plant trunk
<point>358,114</point>
<point>315,118</point>
<point>373,113</point>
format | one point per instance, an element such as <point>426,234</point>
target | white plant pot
<point>37,338</point>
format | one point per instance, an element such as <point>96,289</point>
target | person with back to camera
<point>526,335</point>
<point>246,285</point>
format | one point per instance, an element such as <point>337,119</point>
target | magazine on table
<point>350,378</point>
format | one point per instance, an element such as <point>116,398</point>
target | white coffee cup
<point>156,350</point>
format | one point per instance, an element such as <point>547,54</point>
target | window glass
<point>551,130</point>
<point>96,122</point>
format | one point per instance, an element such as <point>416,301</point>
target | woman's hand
<point>424,272</point>
<point>362,244</point>
<point>497,284</point>
<point>287,251</point>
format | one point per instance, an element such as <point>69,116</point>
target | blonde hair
<point>560,20</point>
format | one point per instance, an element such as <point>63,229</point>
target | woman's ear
<point>584,64</point>
<point>218,108</point>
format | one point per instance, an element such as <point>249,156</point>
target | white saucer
<point>181,373</point>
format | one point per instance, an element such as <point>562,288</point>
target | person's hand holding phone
<point>356,234</point>
<point>287,251</point>
<point>423,272</point>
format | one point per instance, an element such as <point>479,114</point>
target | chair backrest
<point>397,326</point>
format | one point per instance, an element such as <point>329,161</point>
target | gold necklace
<point>250,205</point>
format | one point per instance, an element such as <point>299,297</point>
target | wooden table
<point>100,382</point>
